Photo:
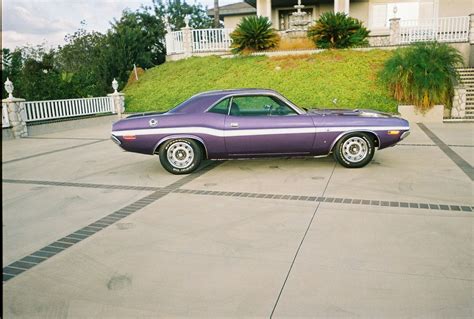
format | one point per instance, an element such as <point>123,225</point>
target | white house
<point>374,13</point>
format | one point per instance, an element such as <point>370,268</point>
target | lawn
<point>310,80</point>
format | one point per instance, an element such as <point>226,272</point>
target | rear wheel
<point>180,156</point>
<point>354,150</point>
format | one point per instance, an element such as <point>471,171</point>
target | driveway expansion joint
<point>51,152</point>
<point>458,160</point>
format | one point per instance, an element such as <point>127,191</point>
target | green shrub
<point>423,74</point>
<point>338,30</point>
<point>254,33</point>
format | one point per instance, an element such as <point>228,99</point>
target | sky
<point>33,22</point>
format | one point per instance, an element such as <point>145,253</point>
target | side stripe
<point>252,132</point>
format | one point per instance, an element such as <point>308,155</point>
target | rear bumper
<point>404,135</point>
<point>115,140</point>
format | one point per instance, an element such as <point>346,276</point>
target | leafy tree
<point>82,63</point>
<point>174,11</point>
<point>254,33</point>
<point>338,30</point>
<point>137,38</point>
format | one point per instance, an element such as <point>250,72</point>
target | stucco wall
<point>454,8</point>
<point>360,10</point>
<point>231,22</point>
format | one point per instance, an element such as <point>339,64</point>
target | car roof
<point>237,91</point>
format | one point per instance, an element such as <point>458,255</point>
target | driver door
<point>265,125</point>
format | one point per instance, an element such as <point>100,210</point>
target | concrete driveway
<point>91,231</point>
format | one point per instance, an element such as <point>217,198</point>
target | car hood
<point>349,112</point>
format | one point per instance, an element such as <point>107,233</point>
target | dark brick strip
<point>51,152</point>
<point>433,145</point>
<point>458,160</point>
<point>65,138</point>
<point>337,200</point>
<point>84,185</point>
<point>17,267</point>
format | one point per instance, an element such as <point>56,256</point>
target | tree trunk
<point>216,14</point>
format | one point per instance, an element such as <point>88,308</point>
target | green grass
<point>311,81</point>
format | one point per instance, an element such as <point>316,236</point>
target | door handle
<point>234,124</point>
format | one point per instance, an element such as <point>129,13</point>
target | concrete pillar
<point>187,41</point>
<point>394,31</point>
<point>341,6</point>
<point>471,28</point>
<point>17,116</point>
<point>118,101</point>
<point>264,8</point>
<point>459,102</point>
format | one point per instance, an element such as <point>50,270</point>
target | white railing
<point>208,40</point>
<point>56,109</point>
<point>5,119</point>
<point>202,40</point>
<point>450,29</point>
<point>174,42</point>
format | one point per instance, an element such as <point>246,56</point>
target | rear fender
<point>171,137</point>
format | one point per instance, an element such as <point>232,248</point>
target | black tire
<point>174,161</point>
<point>349,150</point>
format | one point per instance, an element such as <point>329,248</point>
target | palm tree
<point>216,14</point>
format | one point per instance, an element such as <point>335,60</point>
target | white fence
<point>202,40</point>
<point>450,29</point>
<point>174,42</point>
<point>208,40</point>
<point>56,109</point>
<point>5,119</point>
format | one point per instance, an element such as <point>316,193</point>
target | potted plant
<point>422,77</point>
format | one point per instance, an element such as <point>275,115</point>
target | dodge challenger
<point>249,123</point>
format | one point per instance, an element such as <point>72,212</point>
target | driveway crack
<point>301,243</point>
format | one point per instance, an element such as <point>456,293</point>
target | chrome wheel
<point>355,149</point>
<point>180,155</point>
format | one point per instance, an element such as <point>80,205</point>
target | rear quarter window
<point>221,108</point>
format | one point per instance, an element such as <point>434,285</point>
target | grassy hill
<point>310,80</point>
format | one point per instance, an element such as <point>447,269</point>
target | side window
<point>259,105</point>
<point>221,108</point>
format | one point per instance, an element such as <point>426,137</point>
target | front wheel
<point>354,150</point>
<point>180,156</point>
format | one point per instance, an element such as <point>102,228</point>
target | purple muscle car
<point>245,123</point>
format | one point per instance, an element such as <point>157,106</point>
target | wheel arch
<point>191,137</point>
<point>369,132</point>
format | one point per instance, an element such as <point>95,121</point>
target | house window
<point>381,13</point>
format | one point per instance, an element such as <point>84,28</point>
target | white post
<point>346,6</point>
<point>395,31</point>
<point>471,29</point>
<point>187,38</point>
<point>269,9</point>
<point>118,100</point>
<point>16,112</point>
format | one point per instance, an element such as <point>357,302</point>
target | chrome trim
<point>115,140</point>
<point>404,135</point>
<point>280,97</point>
